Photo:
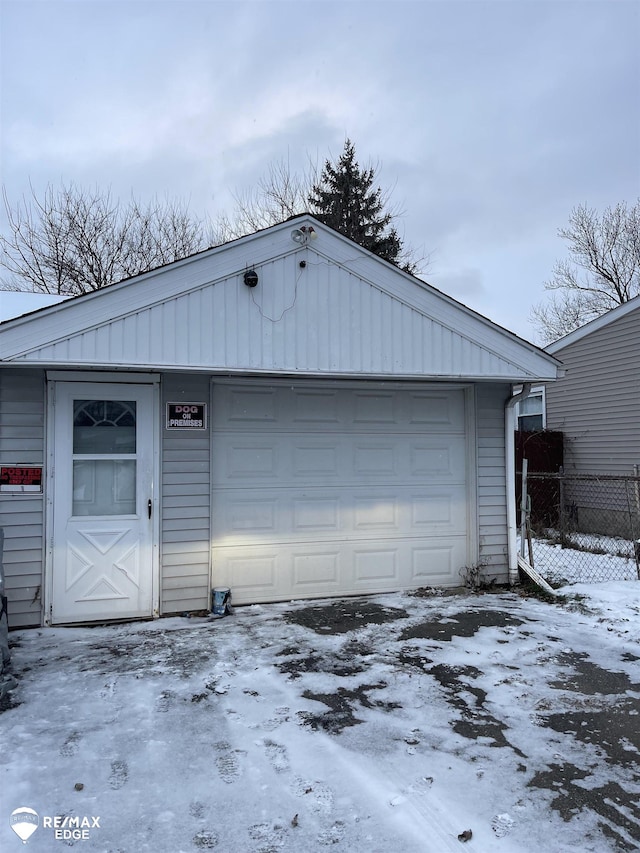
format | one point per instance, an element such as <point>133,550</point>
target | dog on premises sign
<point>186,416</point>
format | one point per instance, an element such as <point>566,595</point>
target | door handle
<point>149,507</point>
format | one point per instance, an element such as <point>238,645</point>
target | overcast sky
<point>490,120</point>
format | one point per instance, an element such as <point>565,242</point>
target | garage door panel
<point>313,569</point>
<point>313,459</point>
<point>251,576</point>
<point>248,459</point>
<point>259,574</point>
<point>340,460</point>
<point>324,514</point>
<point>255,573</point>
<point>248,405</point>
<point>438,562</point>
<point>375,408</point>
<point>438,459</point>
<point>440,510</point>
<point>315,407</point>
<point>442,411</point>
<point>376,565</point>
<point>315,514</point>
<point>375,460</point>
<point>376,513</point>
<point>434,459</point>
<point>321,491</point>
<point>251,516</point>
<point>345,410</point>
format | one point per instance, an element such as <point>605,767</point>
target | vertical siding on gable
<point>22,405</point>
<point>597,403</point>
<point>186,496</point>
<point>492,500</point>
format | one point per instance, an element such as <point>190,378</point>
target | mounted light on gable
<point>250,278</point>
<point>304,234</point>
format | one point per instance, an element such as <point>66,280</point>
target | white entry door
<point>103,473</point>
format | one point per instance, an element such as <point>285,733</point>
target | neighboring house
<point>596,403</point>
<point>286,415</point>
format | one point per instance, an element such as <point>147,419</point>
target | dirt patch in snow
<point>619,813</point>
<point>590,679</point>
<point>466,623</point>
<point>341,704</point>
<point>344,616</point>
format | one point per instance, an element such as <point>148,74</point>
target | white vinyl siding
<point>21,516</point>
<point>345,312</point>
<point>492,499</point>
<point>186,492</point>
<point>597,403</point>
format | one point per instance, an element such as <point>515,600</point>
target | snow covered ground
<point>378,725</point>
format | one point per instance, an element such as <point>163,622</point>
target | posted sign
<point>21,478</point>
<point>186,416</point>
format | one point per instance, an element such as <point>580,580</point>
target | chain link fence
<point>582,528</point>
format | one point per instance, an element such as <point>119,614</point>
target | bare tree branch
<point>278,195</point>
<point>73,240</point>
<point>603,270</point>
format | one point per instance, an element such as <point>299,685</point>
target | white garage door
<point>337,490</point>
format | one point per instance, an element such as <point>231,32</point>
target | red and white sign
<point>21,478</point>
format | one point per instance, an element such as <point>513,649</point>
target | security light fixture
<point>303,234</point>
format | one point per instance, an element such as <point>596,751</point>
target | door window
<point>104,457</point>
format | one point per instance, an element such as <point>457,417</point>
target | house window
<point>531,412</point>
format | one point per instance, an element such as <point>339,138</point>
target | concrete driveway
<point>399,722</point>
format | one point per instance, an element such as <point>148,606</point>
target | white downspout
<point>510,468</point>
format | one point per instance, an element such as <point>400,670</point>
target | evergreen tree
<point>345,198</point>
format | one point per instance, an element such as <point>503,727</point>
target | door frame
<point>53,378</point>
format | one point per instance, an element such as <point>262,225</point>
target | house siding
<point>186,494</point>
<point>22,433</point>
<point>491,485</point>
<point>186,502</point>
<point>597,404</point>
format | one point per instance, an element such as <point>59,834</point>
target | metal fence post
<point>635,529</point>
<point>523,507</point>
<point>563,536</point>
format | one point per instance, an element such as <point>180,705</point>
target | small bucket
<point>220,598</point>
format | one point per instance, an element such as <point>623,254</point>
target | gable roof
<point>321,307</point>
<point>593,326</point>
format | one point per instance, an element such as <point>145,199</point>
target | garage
<point>338,488</point>
<point>353,435</point>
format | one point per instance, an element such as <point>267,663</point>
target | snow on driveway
<point>421,724</point>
